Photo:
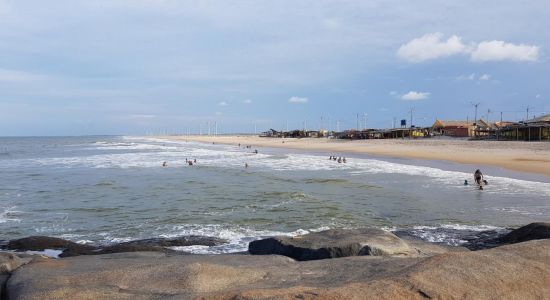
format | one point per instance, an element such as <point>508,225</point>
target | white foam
<point>150,153</point>
<point>8,215</point>
<point>47,252</point>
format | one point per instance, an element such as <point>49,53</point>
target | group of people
<point>479,179</point>
<point>339,159</point>
<point>187,161</point>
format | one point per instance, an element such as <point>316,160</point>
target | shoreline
<point>528,157</point>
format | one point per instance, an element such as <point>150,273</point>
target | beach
<point>531,157</point>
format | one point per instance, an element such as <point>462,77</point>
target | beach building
<point>536,129</point>
<point>460,128</point>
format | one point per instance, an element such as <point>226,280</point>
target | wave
<point>151,153</point>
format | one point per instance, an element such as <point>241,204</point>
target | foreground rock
<point>519,271</point>
<point>533,231</point>
<point>334,243</point>
<point>40,243</point>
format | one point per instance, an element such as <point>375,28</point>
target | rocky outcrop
<point>519,271</point>
<point>333,243</point>
<point>533,231</point>
<point>9,262</point>
<point>40,243</point>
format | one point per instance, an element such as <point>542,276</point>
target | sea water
<point>104,190</point>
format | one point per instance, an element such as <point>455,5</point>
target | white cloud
<point>431,46</point>
<point>485,77</point>
<point>247,101</point>
<point>500,51</point>
<point>295,99</point>
<point>223,103</point>
<point>414,96</point>
<point>467,77</point>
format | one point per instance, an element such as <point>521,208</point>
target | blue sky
<point>71,67</point>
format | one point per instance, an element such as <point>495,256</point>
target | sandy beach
<point>531,157</point>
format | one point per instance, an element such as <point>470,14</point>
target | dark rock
<point>190,240</point>
<point>333,243</point>
<point>3,280</point>
<point>518,271</point>
<point>40,243</point>
<point>533,231</point>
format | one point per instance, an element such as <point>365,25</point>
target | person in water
<point>344,160</point>
<point>164,164</point>
<point>246,165</point>
<point>478,176</point>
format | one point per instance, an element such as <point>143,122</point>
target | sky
<point>134,67</point>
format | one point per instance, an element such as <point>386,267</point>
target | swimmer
<point>344,160</point>
<point>478,176</point>
<point>190,163</point>
<point>330,158</point>
<point>465,182</point>
<point>339,160</point>
<point>164,164</point>
<point>256,151</point>
<point>195,160</point>
<point>246,165</point>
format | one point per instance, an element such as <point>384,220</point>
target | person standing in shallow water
<point>478,176</point>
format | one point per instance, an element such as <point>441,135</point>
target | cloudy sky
<point>71,67</point>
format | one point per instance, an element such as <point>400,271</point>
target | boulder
<point>10,262</point>
<point>519,271</point>
<point>333,243</point>
<point>533,231</point>
<point>190,240</point>
<point>40,243</point>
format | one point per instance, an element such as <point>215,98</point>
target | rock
<point>190,240</point>
<point>41,243</point>
<point>519,271</point>
<point>10,262</point>
<point>533,231</point>
<point>3,279</point>
<point>333,243</point>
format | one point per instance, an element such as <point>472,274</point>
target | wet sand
<point>530,157</point>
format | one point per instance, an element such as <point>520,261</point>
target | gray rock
<point>333,243</point>
<point>533,231</point>
<point>519,271</point>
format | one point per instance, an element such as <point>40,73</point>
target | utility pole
<point>357,122</point>
<point>365,121</point>
<point>500,117</point>
<point>488,114</point>
<point>394,120</point>
<point>255,130</point>
<point>527,113</point>
<point>411,112</point>
<point>337,126</point>
<point>216,125</point>
<point>475,115</point>
<point>321,126</point>
<point>305,125</point>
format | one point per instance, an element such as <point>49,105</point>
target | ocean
<point>108,189</point>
